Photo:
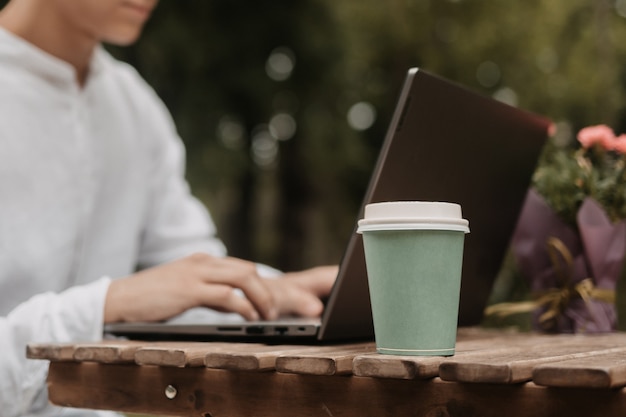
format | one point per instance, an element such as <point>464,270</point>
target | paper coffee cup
<point>414,256</point>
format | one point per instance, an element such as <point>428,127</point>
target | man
<point>92,189</point>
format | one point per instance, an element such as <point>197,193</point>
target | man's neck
<point>49,34</point>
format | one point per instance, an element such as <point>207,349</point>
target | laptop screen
<point>446,143</point>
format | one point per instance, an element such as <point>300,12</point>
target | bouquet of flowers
<point>570,240</point>
<point>566,177</point>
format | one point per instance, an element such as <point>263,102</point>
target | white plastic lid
<point>413,215</point>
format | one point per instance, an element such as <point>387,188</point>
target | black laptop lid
<point>446,143</point>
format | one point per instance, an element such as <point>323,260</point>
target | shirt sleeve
<point>73,315</point>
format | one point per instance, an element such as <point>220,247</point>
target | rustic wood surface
<point>514,362</point>
<point>544,375</point>
<point>205,392</point>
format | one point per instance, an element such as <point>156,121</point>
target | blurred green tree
<point>252,87</point>
<point>261,92</point>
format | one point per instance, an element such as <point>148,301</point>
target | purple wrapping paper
<point>597,252</point>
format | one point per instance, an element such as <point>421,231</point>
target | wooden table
<point>494,373</point>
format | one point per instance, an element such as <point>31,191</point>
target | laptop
<point>444,143</point>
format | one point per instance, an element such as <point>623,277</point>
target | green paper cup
<point>414,255</point>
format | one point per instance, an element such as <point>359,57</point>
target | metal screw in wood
<point>171,392</point>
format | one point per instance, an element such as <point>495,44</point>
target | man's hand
<point>198,280</point>
<point>299,293</point>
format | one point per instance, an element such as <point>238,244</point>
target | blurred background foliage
<point>283,105</point>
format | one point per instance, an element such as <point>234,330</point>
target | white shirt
<point>91,186</point>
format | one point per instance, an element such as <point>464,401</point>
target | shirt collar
<point>30,58</point>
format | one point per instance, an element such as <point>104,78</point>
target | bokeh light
<point>282,126</point>
<point>264,148</point>
<point>506,95</point>
<point>280,64</point>
<point>361,115</point>
<point>547,60</point>
<point>231,133</point>
<point>488,74</point>
<point>564,134</point>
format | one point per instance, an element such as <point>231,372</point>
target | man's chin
<point>123,38</point>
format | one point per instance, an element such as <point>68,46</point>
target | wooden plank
<point>252,358</point>
<point>409,367</point>
<point>400,367</point>
<point>326,360</point>
<point>218,393</point>
<point>179,354</point>
<point>599,371</point>
<point>108,351</point>
<point>515,364</point>
<point>51,352</point>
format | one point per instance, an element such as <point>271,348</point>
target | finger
<point>301,302</point>
<point>225,298</point>
<point>240,274</point>
<point>318,281</point>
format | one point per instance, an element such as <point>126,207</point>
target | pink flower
<point>600,134</point>
<point>619,144</point>
<point>552,129</point>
